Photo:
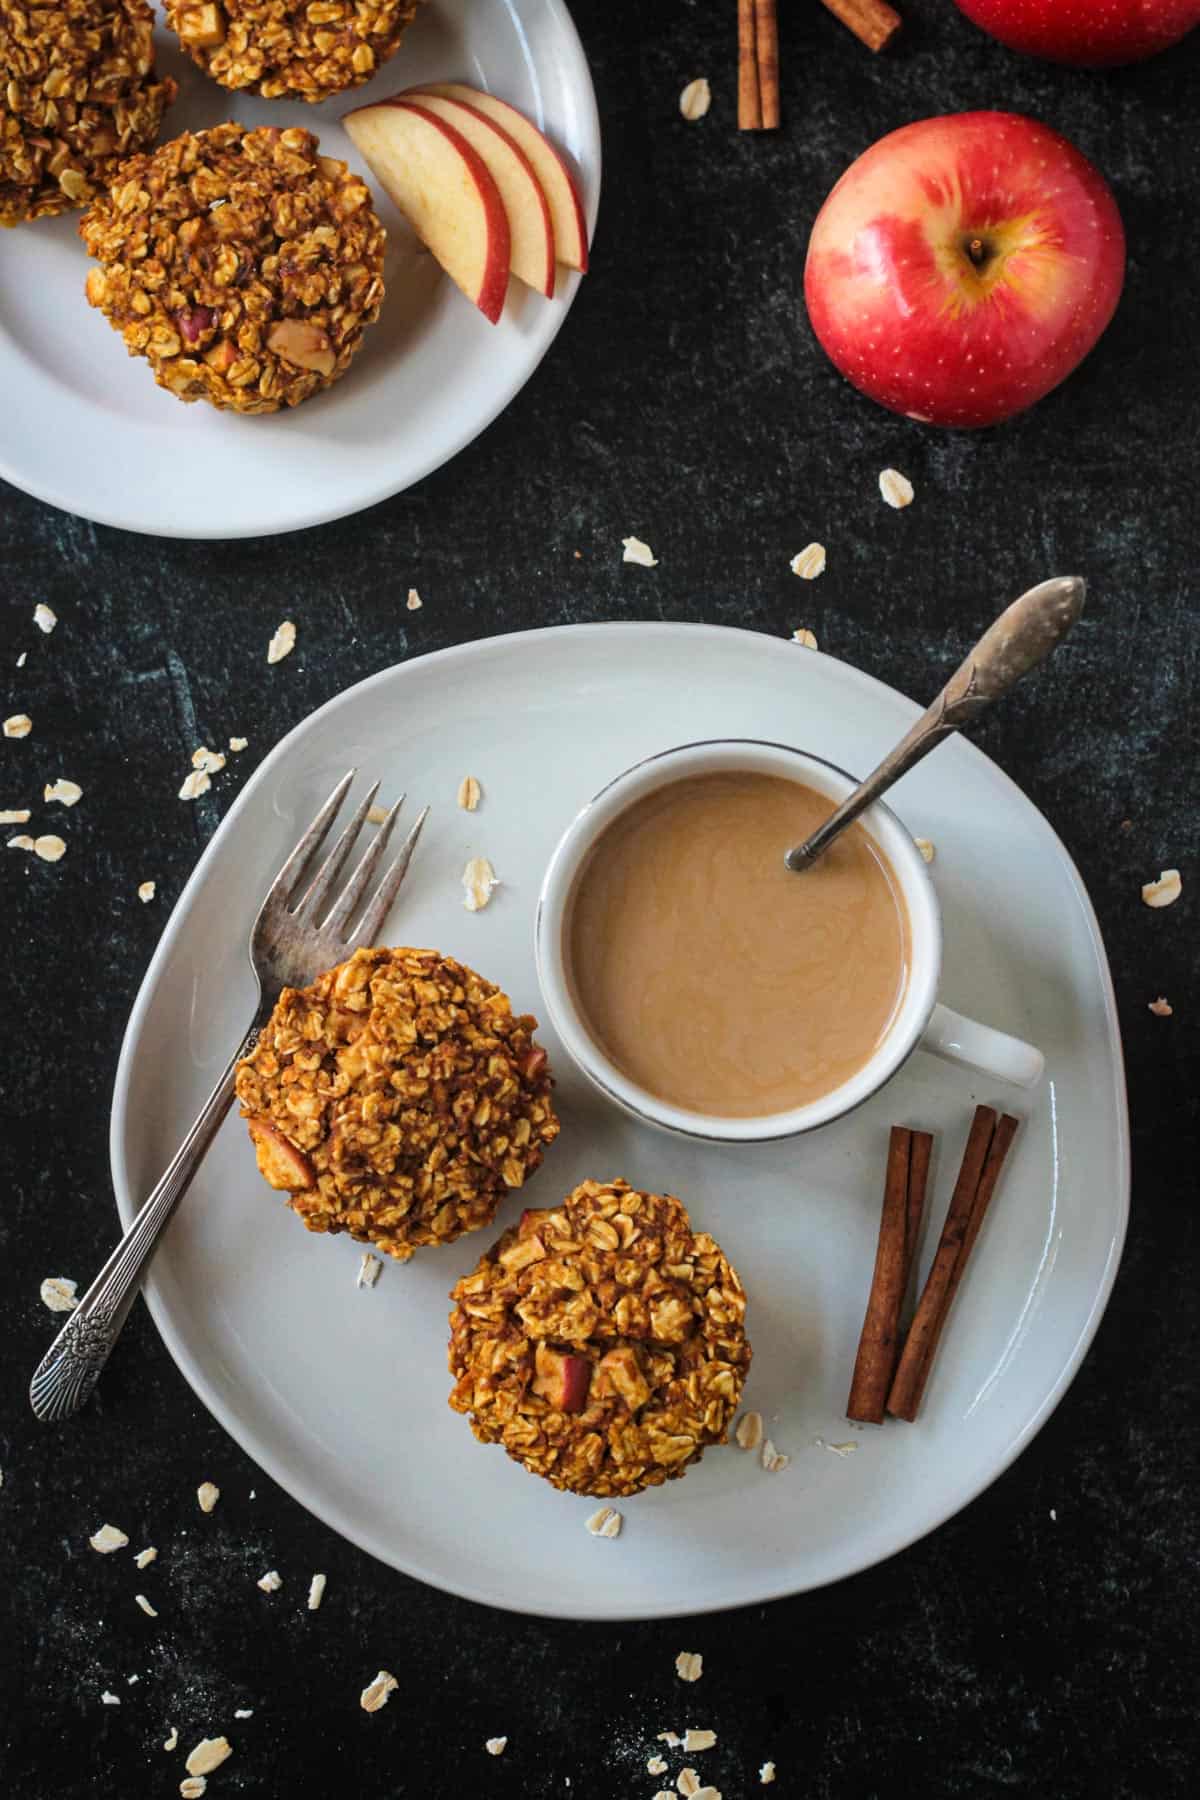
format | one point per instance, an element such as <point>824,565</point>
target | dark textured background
<point>1045,1641</point>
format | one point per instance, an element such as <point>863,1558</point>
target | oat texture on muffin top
<point>302,49</point>
<point>601,1341</point>
<point>398,1098</point>
<point>243,265</point>
<point>77,94</point>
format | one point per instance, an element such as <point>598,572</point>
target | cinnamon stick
<point>749,102</point>
<point>766,40</point>
<point>873,22</point>
<point>988,1145</point>
<point>878,1341</point>
<point>918,1181</point>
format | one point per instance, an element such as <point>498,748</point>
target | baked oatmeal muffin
<point>304,49</point>
<point>601,1342</point>
<point>398,1098</point>
<point>77,95</point>
<point>241,264</point>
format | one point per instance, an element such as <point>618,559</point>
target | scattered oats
<point>58,1293</point>
<point>283,643</point>
<point>773,1460</point>
<point>131,1679</point>
<point>207,1494</point>
<point>236,744</point>
<point>1165,891</point>
<point>197,783</point>
<point>927,848</point>
<point>110,1699</point>
<point>665,1794</point>
<point>688,1783</point>
<point>147,891</point>
<point>804,637</point>
<point>469,793</point>
<point>376,814</point>
<point>689,1665</point>
<point>316,1592</point>
<point>22,841</point>
<point>656,1765</point>
<point>50,847</point>
<point>479,880</point>
<point>767,1774</point>
<point>846,1449</point>
<point>244,1712</point>
<point>146,1606</point>
<point>495,1746</point>
<point>15,815</point>
<point>271,1582</point>
<point>896,488</point>
<point>1161,1008</point>
<point>708,1793</point>
<point>605,1523</point>
<point>809,562</point>
<point>108,1539</point>
<point>192,1787</point>
<point>211,761</point>
<point>44,617</point>
<point>1054,1515</point>
<point>634,551</point>
<point>699,1740</point>
<point>21,659</point>
<point>376,1695</point>
<point>413,602</point>
<point>18,725</point>
<point>368,1270</point>
<point>172,1741</point>
<point>670,1738</point>
<point>67,792</point>
<point>145,1557</point>
<point>695,99</point>
<point>208,1755</point>
<point>749,1431</point>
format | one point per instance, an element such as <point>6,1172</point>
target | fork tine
<point>389,887</point>
<point>348,904</point>
<point>306,851</point>
<point>311,906</point>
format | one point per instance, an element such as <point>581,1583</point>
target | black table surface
<point>1042,1642</point>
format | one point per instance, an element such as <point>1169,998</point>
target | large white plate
<point>341,1394</point>
<point>85,427</point>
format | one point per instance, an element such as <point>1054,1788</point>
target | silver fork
<point>303,928</point>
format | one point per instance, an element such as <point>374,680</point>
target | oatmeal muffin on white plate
<point>398,1098</point>
<point>243,265</point>
<point>602,1341</point>
<point>77,95</point>
<point>298,49</point>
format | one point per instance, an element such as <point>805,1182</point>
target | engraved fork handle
<point>1015,643</point>
<point>71,1367</point>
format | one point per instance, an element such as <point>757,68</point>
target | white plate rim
<point>51,495</point>
<point>297,1484</point>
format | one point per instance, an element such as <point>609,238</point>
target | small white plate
<point>85,427</point>
<point>341,1394</point>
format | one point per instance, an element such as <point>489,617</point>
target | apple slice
<point>530,227</point>
<point>560,1379</point>
<point>558,184</point>
<point>279,1161</point>
<point>442,186</point>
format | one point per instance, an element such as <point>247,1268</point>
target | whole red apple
<point>1091,34</point>
<point>963,266</point>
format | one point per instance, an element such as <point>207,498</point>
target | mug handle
<point>960,1040</point>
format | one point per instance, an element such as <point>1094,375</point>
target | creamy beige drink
<point>711,975</point>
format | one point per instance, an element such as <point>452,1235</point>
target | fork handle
<point>70,1369</point>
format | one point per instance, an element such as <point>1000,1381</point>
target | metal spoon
<point>1023,634</point>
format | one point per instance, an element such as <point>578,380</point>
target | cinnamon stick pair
<point>886,1375</point>
<point>758,65</point>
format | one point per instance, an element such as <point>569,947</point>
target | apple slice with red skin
<point>558,183</point>
<point>531,229</point>
<point>444,189</point>
<point>279,1162</point>
<point>561,1379</point>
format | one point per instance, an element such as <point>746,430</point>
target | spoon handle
<point>1024,633</point>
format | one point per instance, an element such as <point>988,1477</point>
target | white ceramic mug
<point>920,1020</point>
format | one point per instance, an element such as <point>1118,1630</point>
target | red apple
<point>963,266</point>
<point>444,189</point>
<point>1091,34</point>
<point>560,1379</point>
